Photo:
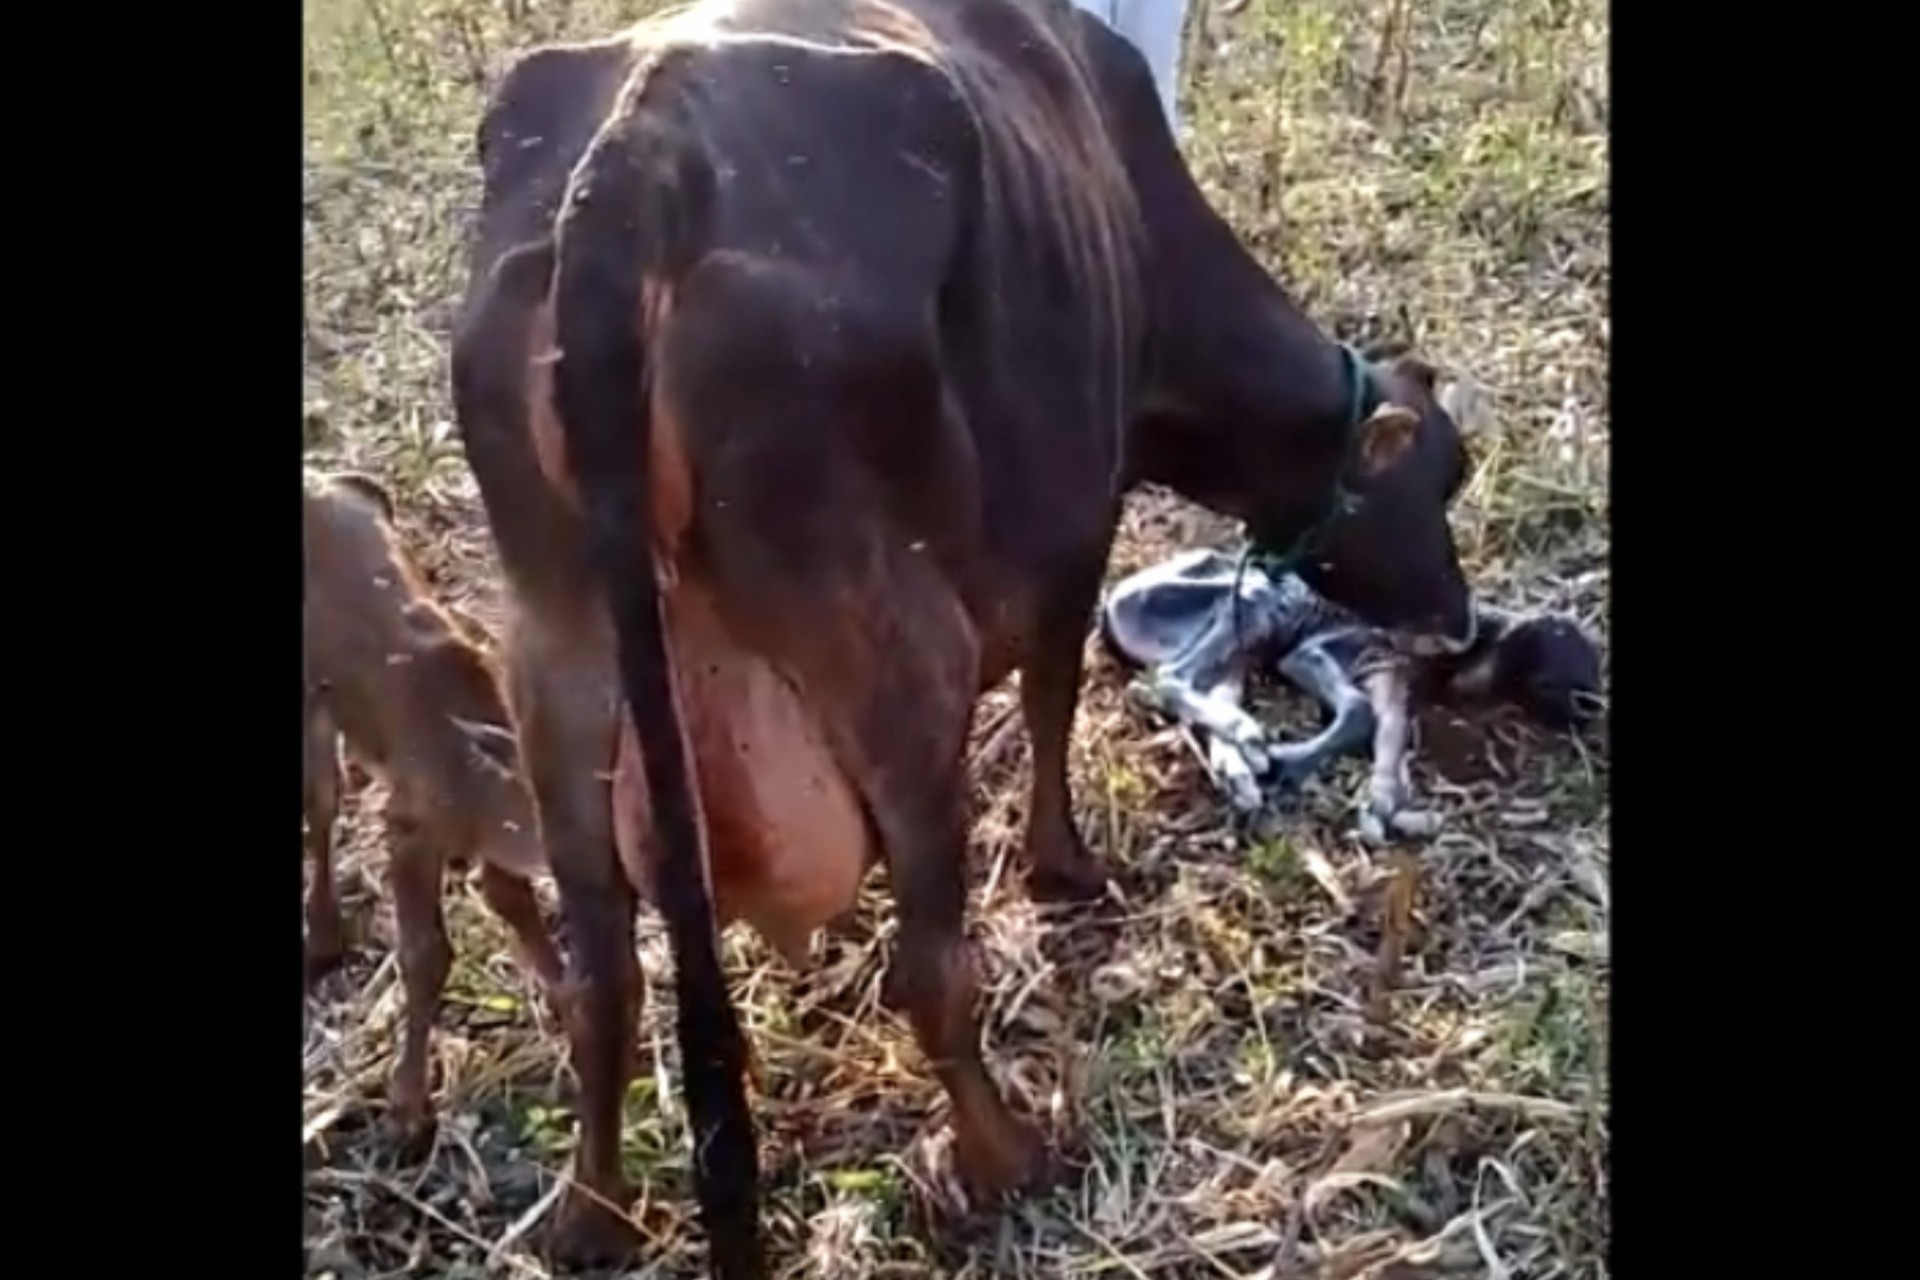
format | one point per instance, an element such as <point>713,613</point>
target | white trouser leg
<point>1153,27</point>
<point>1101,9</point>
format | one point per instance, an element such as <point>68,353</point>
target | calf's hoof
<point>1384,827</point>
<point>1373,827</point>
<point>588,1233</point>
<point>1012,1160</point>
<point>1416,824</point>
<point>559,1002</point>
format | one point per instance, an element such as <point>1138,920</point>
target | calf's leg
<point>513,900</point>
<point>326,945</point>
<point>415,874</point>
<point>1386,808</point>
<point>1315,671</point>
<point>1387,785</point>
<point>1231,772</point>
<point>1202,687</point>
<point>566,701</point>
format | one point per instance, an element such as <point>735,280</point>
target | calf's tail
<point>636,218</point>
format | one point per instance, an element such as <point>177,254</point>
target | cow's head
<point>1376,539</point>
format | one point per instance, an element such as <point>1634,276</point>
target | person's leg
<point>1154,26</point>
<point>1101,9</point>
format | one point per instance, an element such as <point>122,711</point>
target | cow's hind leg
<point>902,722</point>
<point>565,698</point>
<point>894,684</point>
<point>893,677</point>
<point>1059,867</point>
<point>934,978</point>
<point>832,485</point>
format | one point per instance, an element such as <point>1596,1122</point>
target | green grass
<point>1207,1063</point>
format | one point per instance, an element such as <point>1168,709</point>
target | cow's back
<point>536,126</point>
<point>948,182</point>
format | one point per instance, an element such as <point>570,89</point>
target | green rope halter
<point>1362,398</point>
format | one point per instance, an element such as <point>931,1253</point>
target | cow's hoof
<point>410,1129</point>
<point>321,962</point>
<point>1011,1161</point>
<point>893,989</point>
<point>588,1233</point>
<point>1081,881</point>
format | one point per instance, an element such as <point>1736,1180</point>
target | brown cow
<point>417,702</point>
<point>810,350</point>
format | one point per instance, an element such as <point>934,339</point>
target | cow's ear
<point>1385,436</point>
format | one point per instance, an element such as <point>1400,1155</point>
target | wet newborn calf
<point>1179,621</point>
<point>419,704</point>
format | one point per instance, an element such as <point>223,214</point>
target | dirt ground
<point>1436,171</point>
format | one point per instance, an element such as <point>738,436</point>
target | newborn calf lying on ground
<point>419,704</point>
<point>1178,620</point>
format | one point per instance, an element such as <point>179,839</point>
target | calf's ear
<point>494,747</point>
<point>1385,436</point>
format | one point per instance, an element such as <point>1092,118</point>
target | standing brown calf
<point>419,704</point>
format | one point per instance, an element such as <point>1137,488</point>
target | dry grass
<point>1440,165</point>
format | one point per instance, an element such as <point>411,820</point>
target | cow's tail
<point>636,217</point>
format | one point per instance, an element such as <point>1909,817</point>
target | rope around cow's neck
<point>1362,397</point>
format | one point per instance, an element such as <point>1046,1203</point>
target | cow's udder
<point>786,838</point>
